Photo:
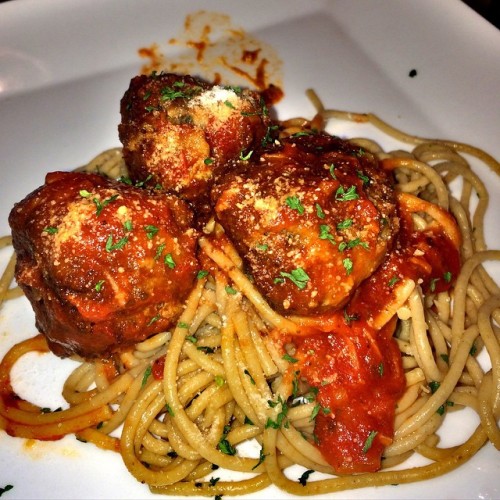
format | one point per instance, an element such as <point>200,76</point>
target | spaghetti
<point>188,401</point>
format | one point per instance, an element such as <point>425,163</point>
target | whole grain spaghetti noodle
<point>216,391</point>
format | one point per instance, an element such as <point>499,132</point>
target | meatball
<point>178,131</point>
<point>104,264</point>
<point>312,220</point>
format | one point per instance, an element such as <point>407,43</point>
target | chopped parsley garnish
<point>319,211</point>
<point>262,247</point>
<point>169,261</point>
<point>297,276</point>
<point>99,285</point>
<point>393,281</point>
<point>206,349</point>
<point>100,205</point>
<point>344,224</point>
<point>315,412</point>
<point>247,156</point>
<point>445,358</point>
<point>434,386</point>
<point>111,247</point>
<point>230,290</point>
<point>50,230</point>
<point>369,441</point>
<point>182,324</point>
<point>159,251</point>
<point>247,373</point>
<point>224,445</point>
<point>353,243</point>
<point>169,410</point>
<point>303,479</point>
<point>381,369</point>
<point>346,195</point>
<point>6,488</point>
<point>325,234</point>
<point>84,193</point>
<point>247,421</point>
<point>229,104</point>
<point>171,93</point>
<point>295,204</point>
<point>332,171</point>
<point>151,231</point>
<point>219,381</point>
<point>262,457</point>
<point>289,358</point>
<point>348,318</point>
<point>127,226</point>
<point>146,375</point>
<point>208,161</point>
<point>276,424</point>
<point>154,319</point>
<point>447,277</point>
<point>348,265</point>
<point>201,274</point>
<point>363,177</point>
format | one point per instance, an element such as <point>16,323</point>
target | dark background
<point>489,9</point>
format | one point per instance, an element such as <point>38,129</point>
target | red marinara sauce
<point>356,368</point>
<point>358,375</point>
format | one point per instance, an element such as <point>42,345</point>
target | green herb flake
<point>147,374</point>
<point>363,177</point>
<point>151,231</point>
<point>229,104</point>
<point>344,224</point>
<point>154,319</point>
<point>247,373</point>
<point>289,358</point>
<point>99,286</point>
<point>348,265</point>
<point>159,251</point>
<point>6,488</point>
<point>182,324</point>
<point>315,412</point>
<point>393,281</point>
<point>127,226</point>
<point>208,161</point>
<point>169,261</point>
<point>219,381</point>
<point>445,358</point>
<point>346,195</point>
<point>230,290</point>
<point>295,204</point>
<point>331,168</point>
<point>305,476</point>
<point>262,247</point>
<point>84,193</point>
<point>201,274</point>
<point>297,276</point>
<point>369,441</point>
<point>50,230</point>
<point>247,421</point>
<point>169,410</point>
<point>100,205</point>
<point>206,349</point>
<point>225,446</point>
<point>247,156</point>
<point>262,457</point>
<point>111,247</point>
<point>381,369</point>
<point>447,277</point>
<point>192,339</point>
<point>319,211</point>
<point>434,386</point>
<point>325,234</point>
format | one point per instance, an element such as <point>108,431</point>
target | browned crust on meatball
<point>312,220</point>
<point>104,264</point>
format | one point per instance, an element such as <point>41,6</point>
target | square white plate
<point>63,69</point>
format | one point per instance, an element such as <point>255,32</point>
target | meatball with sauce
<point>312,220</point>
<point>104,264</point>
<point>178,131</point>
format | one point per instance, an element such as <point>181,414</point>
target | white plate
<point>63,68</point>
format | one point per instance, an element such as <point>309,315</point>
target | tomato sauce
<point>356,368</point>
